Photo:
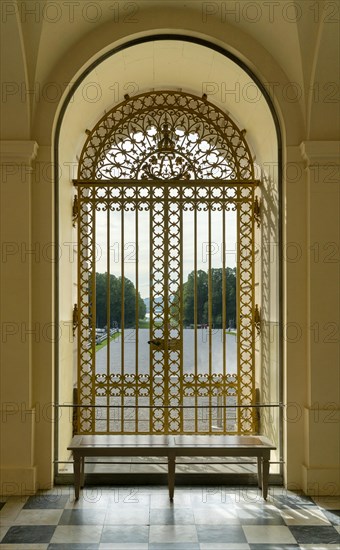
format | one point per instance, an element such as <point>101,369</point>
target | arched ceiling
<point>323,122</point>
<point>297,34</point>
<point>171,65</point>
<point>14,81</point>
<point>286,29</point>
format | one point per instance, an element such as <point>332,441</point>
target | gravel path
<point>188,352</point>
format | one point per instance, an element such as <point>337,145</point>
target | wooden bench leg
<point>259,471</point>
<point>82,471</point>
<point>171,474</point>
<point>76,469</point>
<point>265,477</point>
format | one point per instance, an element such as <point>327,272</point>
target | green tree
<point>216,297</point>
<point>189,300</point>
<point>231,296</point>
<point>116,302</point>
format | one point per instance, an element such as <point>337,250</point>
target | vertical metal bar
<point>94,316</point>
<point>151,396</point>
<point>108,321</point>
<point>224,322</point>
<point>122,317</point>
<point>80,290</point>
<point>252,267</point>
<point>238,312</point>
<point>195,318</point>
<point>136,320</point>
<point>180,320</point>
<point>166,311</point>
<point>210,316</point>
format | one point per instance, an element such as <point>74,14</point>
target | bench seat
<point>171,446</point>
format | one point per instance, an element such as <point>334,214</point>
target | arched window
<point>166,210</point>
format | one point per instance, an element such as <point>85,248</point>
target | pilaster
<point>321,473</point>
<point>18,472</point>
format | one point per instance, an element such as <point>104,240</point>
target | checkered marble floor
<point>142,518</point>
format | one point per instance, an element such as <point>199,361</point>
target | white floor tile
<point>124,546</point>
<point>267,534</point>
<point>172,533</point>
<point>10,511</point>
<point>72,534</point>
<point>225,546</point>
<point>38,517</point>
<point>309,515</point>
<point>131,506</point>
<point>127,515</point>
<point>214,515</point>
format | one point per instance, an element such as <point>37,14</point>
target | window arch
<point>195,139</point>
<point>179,160</point>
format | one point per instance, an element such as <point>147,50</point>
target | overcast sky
<point>115,256</point>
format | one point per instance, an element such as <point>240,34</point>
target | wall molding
<point>320,152</point>
<point>19,481</point>
<point>18,151</point>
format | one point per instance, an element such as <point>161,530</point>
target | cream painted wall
<point>67,268</point>
<point>311,368</point>
<point>195,69</point>
<point>19,413</point>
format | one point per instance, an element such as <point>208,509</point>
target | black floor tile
<point>292,501</point>
<point>171,516</point>
<point>278,546</point>
<point>46,502</point>
<point>220,534</point>
<point>332,515</point>
<point>29,534</point>
<point>74,546</point>
<point>174,546</point>
<point>315,534</point>
<point>82,517</point>
<point>249,512</point>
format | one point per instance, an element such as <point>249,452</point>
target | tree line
<point>116,302</point>
<point>188,293</point>
<point>202,298</point>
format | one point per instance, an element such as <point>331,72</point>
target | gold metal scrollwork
<point>164,152</point>
<point>166,136</point>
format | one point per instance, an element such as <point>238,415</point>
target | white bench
<point>171,446</point>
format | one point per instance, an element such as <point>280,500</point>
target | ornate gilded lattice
<point>166,136</point>
<point>165,154</point>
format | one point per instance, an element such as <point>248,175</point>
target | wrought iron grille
<point>156,164</point>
